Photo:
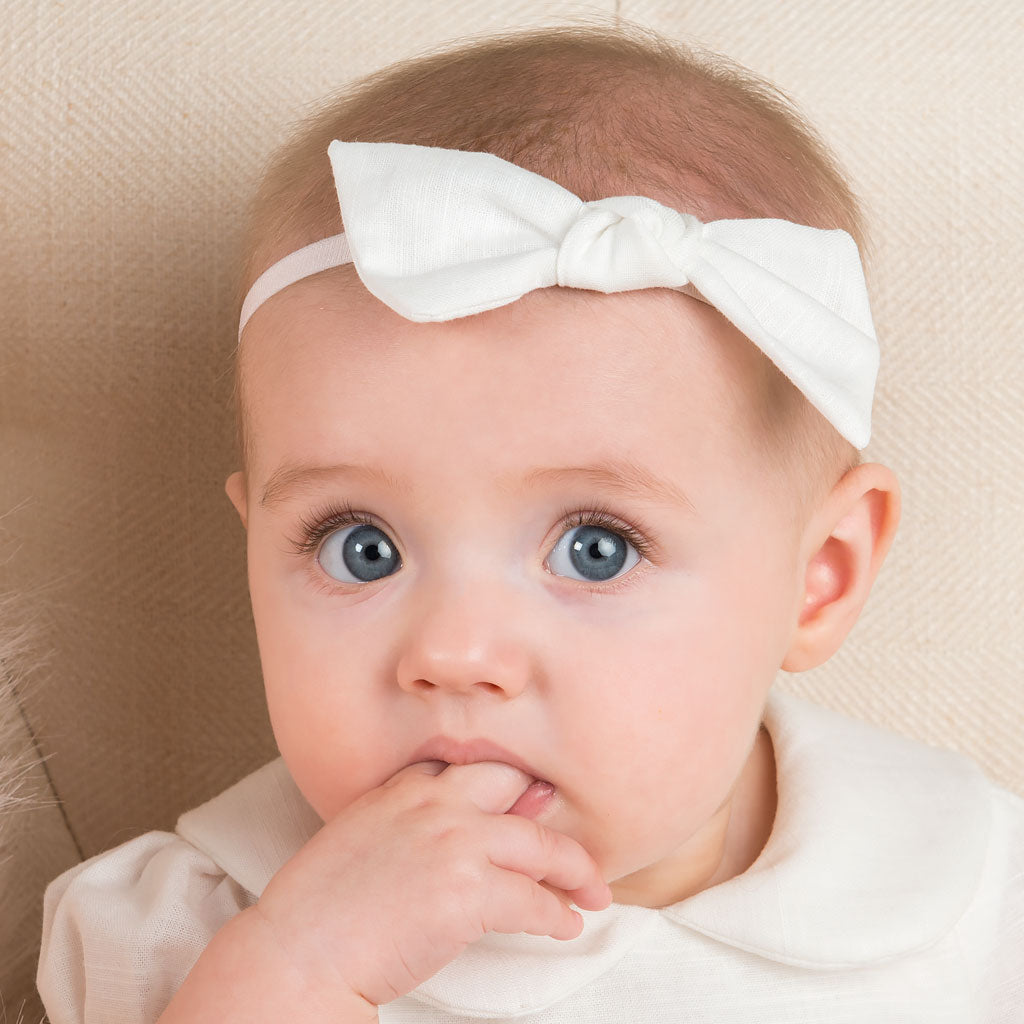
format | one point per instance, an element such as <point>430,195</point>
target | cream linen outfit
<point>891,890</point>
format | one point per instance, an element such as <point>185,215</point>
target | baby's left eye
<point>596,552</point>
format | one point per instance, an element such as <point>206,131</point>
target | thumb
<point>491,785</point>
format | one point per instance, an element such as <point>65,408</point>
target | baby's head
<point>586,527</point>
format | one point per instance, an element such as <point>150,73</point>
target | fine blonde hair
<point>603,109</point>
<point>17,758</point>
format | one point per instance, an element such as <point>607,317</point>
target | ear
<point>843,548</point>
<point>234,486</point>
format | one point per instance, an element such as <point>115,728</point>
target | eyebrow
<point>622,476</point>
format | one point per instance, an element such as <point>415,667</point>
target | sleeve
<point>122,930</point>
<point>1003,983</point>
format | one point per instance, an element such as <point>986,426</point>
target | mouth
<point>451,751</point>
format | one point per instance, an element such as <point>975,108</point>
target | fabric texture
<point>891,888</point>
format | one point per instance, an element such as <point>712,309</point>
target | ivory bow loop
<point>438,234</point>
<point>799,294</point>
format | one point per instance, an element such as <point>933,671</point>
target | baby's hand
<point>404,878</point>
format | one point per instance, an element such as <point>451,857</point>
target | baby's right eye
<point>358,554</point>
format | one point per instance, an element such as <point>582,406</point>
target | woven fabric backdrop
<point>132,135</point>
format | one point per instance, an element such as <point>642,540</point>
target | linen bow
<point>438,234</point>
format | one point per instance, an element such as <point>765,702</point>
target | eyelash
<point>323,521</point>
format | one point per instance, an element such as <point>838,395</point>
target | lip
<point>444,748</point>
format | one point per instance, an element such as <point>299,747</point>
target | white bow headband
<point>438,234</point>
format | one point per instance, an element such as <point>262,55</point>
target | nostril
<point>425,686</point>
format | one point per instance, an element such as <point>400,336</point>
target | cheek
<point>309,667</point>
<point>670,699</point>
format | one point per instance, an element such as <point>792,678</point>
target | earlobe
<point>849,539</point>
<point>234,487</point>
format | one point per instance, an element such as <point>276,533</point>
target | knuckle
<point>544,903</point>
<point>424,812</point>
<point>462,875</point>
<point>461,865</point>
<point>450,837</point>
<point>547,840</point>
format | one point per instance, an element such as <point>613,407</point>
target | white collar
<point>876,850</point>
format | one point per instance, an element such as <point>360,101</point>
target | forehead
<point>560,374</point>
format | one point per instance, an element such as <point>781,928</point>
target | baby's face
<point>625,660</point>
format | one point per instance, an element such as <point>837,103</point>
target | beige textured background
<point>131,135</point>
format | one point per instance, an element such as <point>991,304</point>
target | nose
<point>466,640</point>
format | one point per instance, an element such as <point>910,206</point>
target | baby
<point>550,461</point>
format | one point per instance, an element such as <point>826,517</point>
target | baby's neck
<point>729,844</point>
<point>753,812</point>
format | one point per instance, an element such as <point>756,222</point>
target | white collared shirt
<point>891,889</point>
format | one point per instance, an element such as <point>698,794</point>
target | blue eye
<point>350,548</point>
<point>361,554</point>
<point>596,552</point>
